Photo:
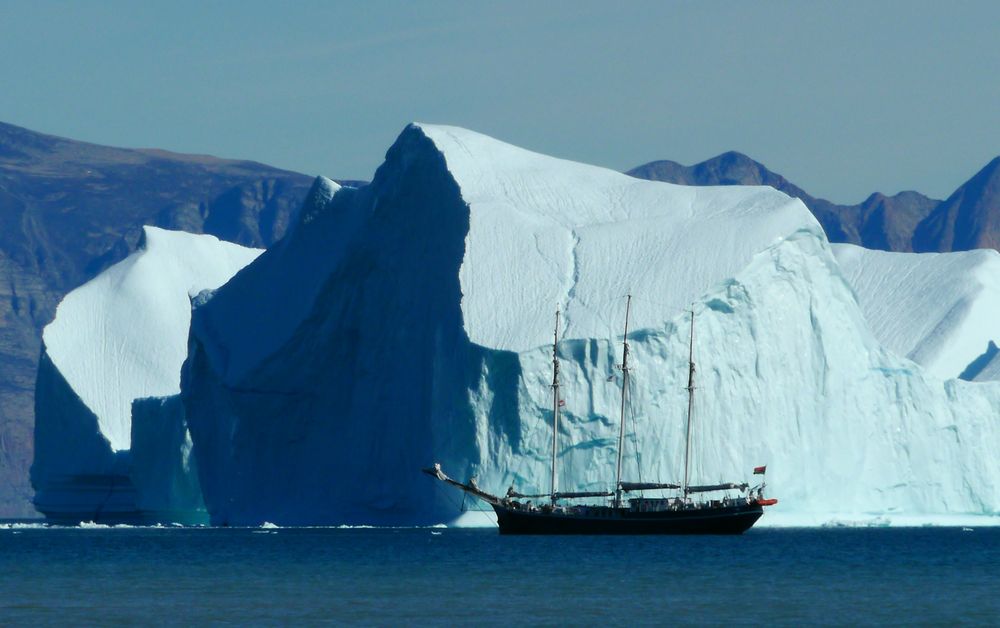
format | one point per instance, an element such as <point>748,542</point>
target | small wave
<point>874,522</point>
<point>833,520</point>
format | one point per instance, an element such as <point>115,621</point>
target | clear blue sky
<point>843,98</point>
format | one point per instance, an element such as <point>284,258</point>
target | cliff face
<point>407,322</point>
<point>70,209</point>
<point>400,323</point>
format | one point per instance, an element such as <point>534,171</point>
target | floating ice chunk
<point>119,337</point>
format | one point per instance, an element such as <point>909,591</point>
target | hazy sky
<point>843,98</point>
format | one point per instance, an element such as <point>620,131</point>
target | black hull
<point>713,520</point>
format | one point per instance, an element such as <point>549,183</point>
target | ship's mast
<point>555,406</point>
<point>690,389</point>
<point>621,428</point>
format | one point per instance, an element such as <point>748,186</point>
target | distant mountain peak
<point>734,156</point>
<point>968,219</point>
<point>905,221</point>
<point>879,222</point>
<point>728,168</point>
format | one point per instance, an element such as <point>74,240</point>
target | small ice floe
<point>966,529</point>
<point>436,533</point>
<point>267,528</point>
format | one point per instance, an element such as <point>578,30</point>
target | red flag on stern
<point>759,470</point>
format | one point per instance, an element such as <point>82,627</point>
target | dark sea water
<point>449,576</point>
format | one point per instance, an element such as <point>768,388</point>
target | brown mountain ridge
<point>69,209</point>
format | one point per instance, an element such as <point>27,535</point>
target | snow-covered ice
<point>123,335</point>
<point>119,337</point>
<point>941,310</point>
<point>546,232</point>
<point>406,322</point>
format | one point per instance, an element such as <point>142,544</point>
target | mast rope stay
<point>687,432</point>
<point>555,407</point>
<point>635,442</point>
<point>621,424</point>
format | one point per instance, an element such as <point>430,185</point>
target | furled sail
<point>707,488</point>
<point>511,493</point>
<point>647,486</point>
<point>584,494</point>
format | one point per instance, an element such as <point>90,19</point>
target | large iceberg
<point>941,310</point>
<point>406,322</point>
<point>120,337</point>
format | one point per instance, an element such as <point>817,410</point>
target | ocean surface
<point>426,576</point>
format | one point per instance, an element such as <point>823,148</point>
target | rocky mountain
<point>968,219</point>
<point>69,209</point>
<point>880,222</point>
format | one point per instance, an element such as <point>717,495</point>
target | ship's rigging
<point>642,515</point>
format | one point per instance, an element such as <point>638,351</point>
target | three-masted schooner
<point>682,513</point>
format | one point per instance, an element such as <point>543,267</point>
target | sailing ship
<point>687,511</point>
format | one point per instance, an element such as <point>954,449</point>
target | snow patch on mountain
<point>941,310</point>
